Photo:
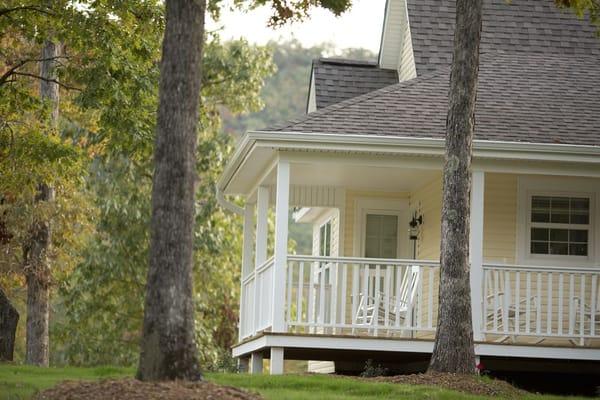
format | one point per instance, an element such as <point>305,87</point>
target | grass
<point>20,382</point>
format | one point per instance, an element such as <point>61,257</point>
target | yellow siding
<point>500,218</point>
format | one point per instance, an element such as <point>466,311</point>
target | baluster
<point>386,289</point>
<point>506,302</point>
<point>409,300</point>
<point>581,306</point>
<point>333,295</point>
<point>550,301</point>
<point>571,304</point>
<point>528,302</point>
<point>290,278</point>
<point>517,302</point>
<point>485,274</point>
<point>430,301</point>
<point>377,296</point>
<point>560,302</point>
<point>538,300</point>
<point>496,289</point>
<point>321,318</point>
<point>593,304</point>
<point>355,282</point>
<point>343,293</point>
<point>300,293</point>
<point>398,290</point>
<point>365,293</point>
<point>420,296</point>
<point>311,297</point>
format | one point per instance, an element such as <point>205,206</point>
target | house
<point>364,166</point>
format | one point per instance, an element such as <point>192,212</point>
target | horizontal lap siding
<point>500,218</point>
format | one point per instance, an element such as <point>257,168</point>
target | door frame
<point>369,205</point>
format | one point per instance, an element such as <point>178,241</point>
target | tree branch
<point>48,80</point>
<point>5,11</point>
<point>12,70</point>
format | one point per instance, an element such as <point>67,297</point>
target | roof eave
<point>403,145</point>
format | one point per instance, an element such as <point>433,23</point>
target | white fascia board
<point>482,149</point>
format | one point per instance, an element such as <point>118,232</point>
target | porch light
<point>413,231</point>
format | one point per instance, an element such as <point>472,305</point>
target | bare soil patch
<point>133,389</point>
<point>470,384</point>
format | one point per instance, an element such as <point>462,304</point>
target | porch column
<point>247,267</point>
<point>276,361</point>
<point>282,205</point>
<point>476,251</point>
<point>256,363</point>
<point>260,254</point>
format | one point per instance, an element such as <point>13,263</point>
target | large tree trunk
<point>9,318</point>
<point>37,268</point>
<point>453,350</point>
<point>168,346</point>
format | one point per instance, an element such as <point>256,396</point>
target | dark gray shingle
<point>541,98</point>
<point>339,79</point>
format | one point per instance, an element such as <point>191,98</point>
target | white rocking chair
<point>372,309</point>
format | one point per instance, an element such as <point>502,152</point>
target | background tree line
<point>99,162</point>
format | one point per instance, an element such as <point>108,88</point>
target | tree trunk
<point>453,350</point>
<point>9,318</point>
<point>168,346</point>
<point>35,255</point>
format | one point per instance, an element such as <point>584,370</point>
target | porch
<point>342,299</point>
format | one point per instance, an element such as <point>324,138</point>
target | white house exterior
<point>366,161</point>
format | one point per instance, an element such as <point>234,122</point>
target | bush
<point>371,370</point>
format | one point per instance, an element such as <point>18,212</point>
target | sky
<point>358,27</point>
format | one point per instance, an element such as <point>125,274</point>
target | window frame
<point>530,186</point>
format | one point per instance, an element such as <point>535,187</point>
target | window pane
<point>539,234</point>
<point>559,210</point>
<point>578,235</point>
<point>540,208</point>
<point>578,249</point>
<point>559,248</point>
<point>559,235</point>
<point>539,248</point>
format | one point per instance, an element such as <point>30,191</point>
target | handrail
<point>363,260</point>
<point>539,268</point>
<point>265,265</point>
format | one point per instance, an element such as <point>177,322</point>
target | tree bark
<point>9,318</point>
<point>35,254</point>
<point>168,346</point>
<point>453,350</point>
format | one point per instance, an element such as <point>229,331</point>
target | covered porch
<point>341,298</point>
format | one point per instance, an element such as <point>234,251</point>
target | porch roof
<point>533,98</point>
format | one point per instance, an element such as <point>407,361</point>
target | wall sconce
<point>413,231</point>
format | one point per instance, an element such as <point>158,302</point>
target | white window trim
<point>321,225</point>
<point>396,207</point>
<point>327,215</point>
<point>557,186</point>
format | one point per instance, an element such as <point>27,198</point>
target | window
<point>325,239</point>
<point>381,238</point>
<point>560,225</point>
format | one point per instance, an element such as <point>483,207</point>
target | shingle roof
<point>529,26</point>
<point>542,98</point>
<point>339,79</point>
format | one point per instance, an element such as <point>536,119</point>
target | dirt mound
<point>132,389</point>
<point>463,383</point>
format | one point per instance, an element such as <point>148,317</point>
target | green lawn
<point>20,382</point>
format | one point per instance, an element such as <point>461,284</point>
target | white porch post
<point>260,254</point>
<point>282,205</point>
<point>476,251</point>
<point>247,267</point>
<point>256,363</point>
<point>276,361</point>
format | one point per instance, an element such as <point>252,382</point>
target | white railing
<point>541,302</point>
<point>257,300</point>
<point>343,295</point>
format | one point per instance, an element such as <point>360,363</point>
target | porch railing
<point>257,300</point>
<point>541,302</point>
<point>337,295</point>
